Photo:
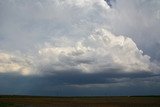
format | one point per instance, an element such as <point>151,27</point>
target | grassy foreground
<point>35,101</point>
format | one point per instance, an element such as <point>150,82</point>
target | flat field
<point>35,101</point>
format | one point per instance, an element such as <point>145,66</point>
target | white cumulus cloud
<point>99,52</point>
<point>10,63</point>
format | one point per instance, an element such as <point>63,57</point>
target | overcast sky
<point>80,47</point>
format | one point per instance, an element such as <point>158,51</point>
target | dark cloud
<point>110,2</point>
<point>78,83</point>
<point>110,76</point>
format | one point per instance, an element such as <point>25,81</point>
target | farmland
<point>40,101</point>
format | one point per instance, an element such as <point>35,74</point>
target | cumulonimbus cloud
<point>81,42</point>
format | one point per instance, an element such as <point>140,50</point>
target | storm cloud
<point>82,44</point>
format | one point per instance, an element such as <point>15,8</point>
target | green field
<point>39,101</point>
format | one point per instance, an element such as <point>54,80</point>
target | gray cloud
<point>74,83</point>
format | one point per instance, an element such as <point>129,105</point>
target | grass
<point>44,101</point>
<point>6,104</point>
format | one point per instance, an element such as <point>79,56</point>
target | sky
<point>80,47</point>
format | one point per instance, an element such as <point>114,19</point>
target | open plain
<point>39,101</point>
